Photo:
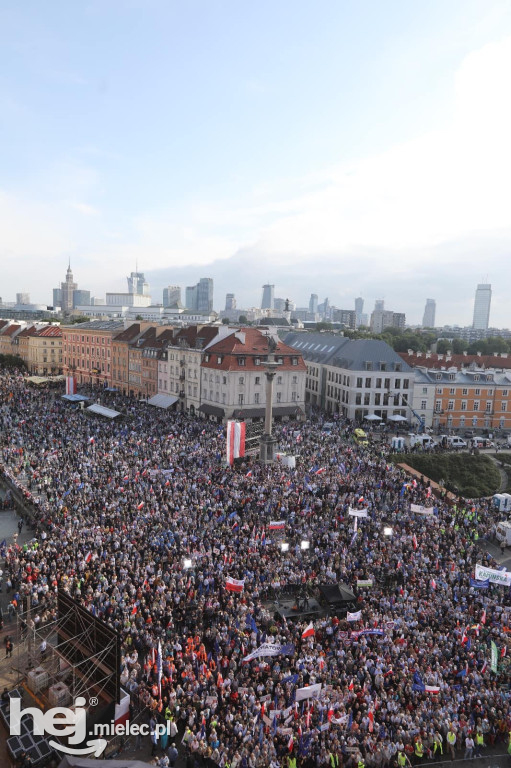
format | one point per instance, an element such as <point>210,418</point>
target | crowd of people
<point>141,520</point>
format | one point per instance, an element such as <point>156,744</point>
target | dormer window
<point>241,361</point>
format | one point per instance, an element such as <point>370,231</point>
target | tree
<point>225,321</point>
<point>243,319</point>
<point>443,346</point>
<point>139,317</point>
<point>459,346</point>
<point>323,326</point>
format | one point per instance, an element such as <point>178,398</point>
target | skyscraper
<point>137,284</point>
<point>359,309</point>
<point>205,294</point>
<point>191,297</point>
<point>482,304</point>
<point>57,297</point>
<point>428,320</point>
<point>171,295</point>
<point>313,303</point>
<point>268,295</point>
<point>67,290</point>
<point>230,302</point>
<point>379,305</point>
<point>22,298</point>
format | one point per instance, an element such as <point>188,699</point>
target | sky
<point>338,147</point>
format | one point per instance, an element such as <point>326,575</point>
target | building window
<point>464,391</point>
<point>257,379</point>
<point>279,397</point>
<point>295,361</point>
<point>219,359</point>
<point>450,405</point>
<point>368,383</point>
<point>452,391</point>
<point>257,361</point>
<point>240,399</point>
<point>279,379</point>
<point>504,393</point>
<point>488,406</point>
<point>378,383</point>
<point>397,384</point>
<point>474,421</point>
<point>476,405</point>
<point>358,399</point>
<point>241,380</point>
<point>424,405</point>
<point>387,384</point>
<point>293,396</point>
<point>463,405</point>
<point>256,398</point>
<point>477,392</point>
<point>367,399</point>
<point>383,366</point>
<point>503,406</point>
<point>241,361</point>
<point>377,399</point>
<point>359,383</point>
<point>438,406</point>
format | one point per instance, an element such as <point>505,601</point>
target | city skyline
<point>204,157</point>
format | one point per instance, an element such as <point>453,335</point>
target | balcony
<point>182,376</point>
<point>182,393</point>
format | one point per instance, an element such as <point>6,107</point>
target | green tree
<point>459,346</point>
<point>225,321</point>
<point>323,326</point>
<point>243,320</point>
<point>443,346</point>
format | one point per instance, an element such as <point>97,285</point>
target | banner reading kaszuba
<point>495,577</point>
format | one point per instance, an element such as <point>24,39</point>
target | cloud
<point>425,215</point>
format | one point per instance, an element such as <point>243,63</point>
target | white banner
<point>357,512</point>
<point>266,649</point>
<point>354,616</point>
<point>496,577</point>
<point>420,510</point>
<point>310,692</point>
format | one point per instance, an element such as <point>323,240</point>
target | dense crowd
<point>120,507</point>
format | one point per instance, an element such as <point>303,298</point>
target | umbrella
<point>372,417</point>
<point>397,417</point>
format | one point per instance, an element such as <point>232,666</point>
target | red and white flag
<point>70,385</point>
<point>483,617</point>
<point>290,743</point>
<point>88,557</point>
<point>235,440</point>
<point>414,541</point>
<point>277,525</point>
<point>308,631</point>
<point>320,471</point>
<point>234,585</point>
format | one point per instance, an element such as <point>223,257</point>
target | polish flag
<point>330,714</point>
<point>134,610</point>
<point>91,441</point>
<point>351,685</point>
<point>290,743</point>
<point>88,557</point>
<point>433,584</point>
<point>249,473</point>
<point>308,631</point>
<point>483,668</point>
<point>414,541</point>
<point>140,505</point>
<point>126,478</point>
<point>234,585</point>
<point>277,525</point>
<point>320,471</point>
<point>483,617</point>
<point>370,716</point>
<point>434,689</point>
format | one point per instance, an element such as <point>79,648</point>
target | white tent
<point>397,417</point>
<point>372,417</point>
<point>102,411</point>
<point>162,401</point>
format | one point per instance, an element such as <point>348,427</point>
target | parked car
<point>448,441</point>
<point>469,433</point>
<point>482,442</point>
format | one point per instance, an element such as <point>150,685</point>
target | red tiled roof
<point>11,330</point>
<point>51,330</point>
<point>254,345</point>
